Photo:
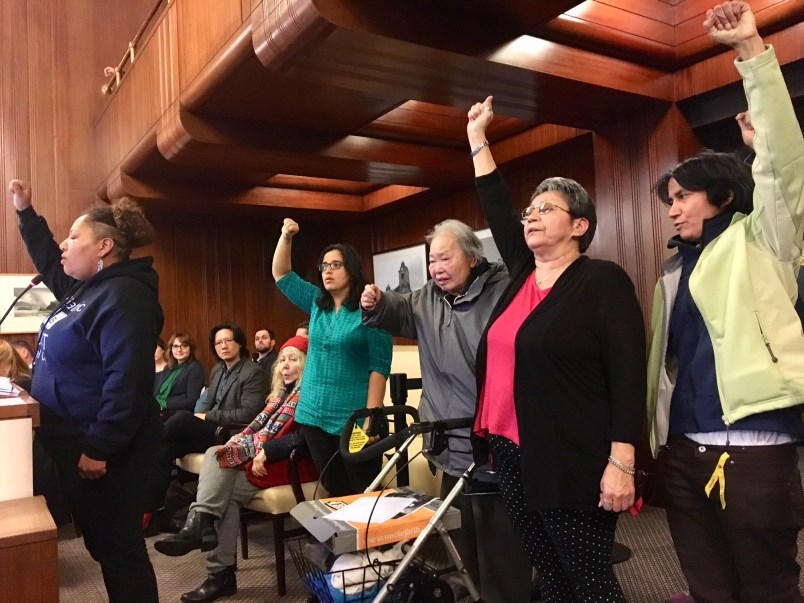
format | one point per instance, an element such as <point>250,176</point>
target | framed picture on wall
<point>31,309</point>
<point>403,270</point>
<point>489,247</point>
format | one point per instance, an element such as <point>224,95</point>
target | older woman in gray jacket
<point>447,316</point>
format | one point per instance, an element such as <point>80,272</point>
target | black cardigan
<point>186,389</point>
<point>579,380</point>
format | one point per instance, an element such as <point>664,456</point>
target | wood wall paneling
<point>15,160</point>
<point>203,28</point>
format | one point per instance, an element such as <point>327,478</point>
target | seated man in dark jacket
<point>237,392</point>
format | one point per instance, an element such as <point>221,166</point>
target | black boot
<point>219,584</point>
<point>198,533</point>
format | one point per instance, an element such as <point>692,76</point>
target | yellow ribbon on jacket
<point>719,476</point>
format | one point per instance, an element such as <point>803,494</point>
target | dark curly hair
<point>124,222</point>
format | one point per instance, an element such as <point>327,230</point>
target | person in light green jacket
<point>726,364</point>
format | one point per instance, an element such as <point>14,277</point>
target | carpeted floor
<point>650,576</point>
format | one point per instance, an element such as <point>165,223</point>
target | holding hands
<point>20,194</point>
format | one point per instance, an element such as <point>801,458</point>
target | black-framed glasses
<point>180,346</point>
<point>544,208</point>
<point>336,265</point>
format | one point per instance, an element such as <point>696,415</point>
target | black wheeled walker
<point>398,586</point>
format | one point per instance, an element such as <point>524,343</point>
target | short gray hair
<point>466,237</point>
<point>580,204</point>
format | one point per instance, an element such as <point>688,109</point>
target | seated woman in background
<point>227,475</point>
<point>45,481</point>
<point>160,356</point>
<point>13,366</point>
<point>178,386</point>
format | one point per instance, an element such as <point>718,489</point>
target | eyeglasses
<point>221,342</point>
<point>180,346</point>
<point>544,208</point>
<point>336,265</point>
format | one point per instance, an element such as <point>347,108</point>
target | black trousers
<point>746,552</point>
<point>183,433</point>
<point>340,477</point>
<point>570,548</point>
<point>109,510</point>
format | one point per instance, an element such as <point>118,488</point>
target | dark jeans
<point>183,433</point>
<point>747,551</point>
<point>109,510</point>
<point>341,477</point>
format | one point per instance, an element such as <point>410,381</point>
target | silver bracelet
<point>622,466</point>
<point>479,147</point>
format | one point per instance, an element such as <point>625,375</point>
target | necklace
<point>539,281</point>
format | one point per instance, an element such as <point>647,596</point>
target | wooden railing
<point>115,74</point>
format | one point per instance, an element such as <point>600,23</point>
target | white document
<point>386,508</point>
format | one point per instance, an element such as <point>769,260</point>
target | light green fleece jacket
<point>744,283</point>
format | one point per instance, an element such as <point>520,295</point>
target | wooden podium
<point>28,542</point>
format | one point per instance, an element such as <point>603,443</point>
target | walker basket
<point>354,585</point>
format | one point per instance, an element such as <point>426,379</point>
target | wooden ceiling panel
<point>351,106</point>
<point>627,17</point>
<point>349,187</point>
<point>426,123</point>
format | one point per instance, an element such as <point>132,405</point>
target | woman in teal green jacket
<point>347,362</point>
<point>726,366</point>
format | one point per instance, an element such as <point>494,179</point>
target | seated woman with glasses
<point>348,363</point>
<point>178,386</point>
<point>561,380</point>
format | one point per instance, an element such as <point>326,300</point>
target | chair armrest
<point>227,430</point>
<point>296,455</point>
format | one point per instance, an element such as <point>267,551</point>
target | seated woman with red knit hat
<point>232,474</point>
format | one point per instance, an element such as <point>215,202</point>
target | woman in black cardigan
<point>561,376</point>
<point>179,385</point>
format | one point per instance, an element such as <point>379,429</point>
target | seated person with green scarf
<point>179,384</point>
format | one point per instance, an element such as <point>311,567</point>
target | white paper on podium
<point>359,510</point>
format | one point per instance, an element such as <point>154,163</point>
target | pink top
<point>497,414</point>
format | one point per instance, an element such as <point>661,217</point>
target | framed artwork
<point>403,270</point>
<point>489,248</point>
<point>32,308</point>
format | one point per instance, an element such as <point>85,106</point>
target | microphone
<point>34,282</point>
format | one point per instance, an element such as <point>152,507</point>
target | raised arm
<point>42,248</point>
<point>281,264</point>
<point>778,169</point>
<point>480,116</point>
<point>503,220</point>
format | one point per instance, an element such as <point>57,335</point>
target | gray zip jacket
<point>448,336</point>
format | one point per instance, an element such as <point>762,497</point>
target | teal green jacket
<point>342,354</point>
<point>744,283</point>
